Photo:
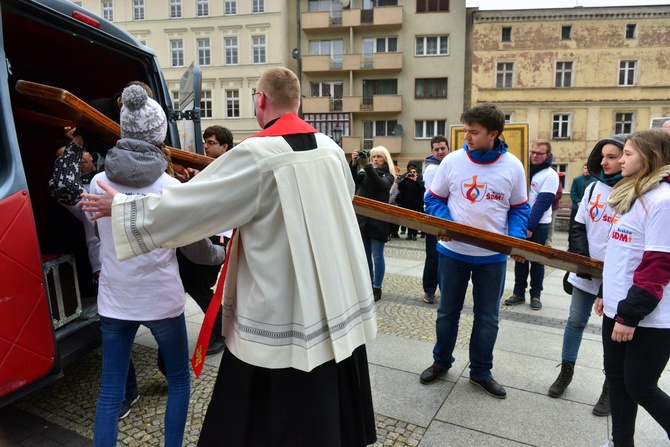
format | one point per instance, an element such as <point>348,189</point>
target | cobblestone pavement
<point>70,402</point>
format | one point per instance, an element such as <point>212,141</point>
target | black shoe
<point>127,405</point>
<point>514,300</point>
<point>491,387</point>
<point>395,236</point>
<point>217,345</point>
<point>377,293</point>
<point>602,407</point>
<point>431,374</point>
<point>563,380</point>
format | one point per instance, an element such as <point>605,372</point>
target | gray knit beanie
<point>142,118</point>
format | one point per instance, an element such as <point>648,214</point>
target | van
<point>48,312</point>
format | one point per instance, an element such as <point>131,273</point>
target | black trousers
<point>633,369</point>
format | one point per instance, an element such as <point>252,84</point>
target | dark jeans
<point>633,369</point>
<point>430,266</point>
<point>488,281</point>
<point>536,270</point>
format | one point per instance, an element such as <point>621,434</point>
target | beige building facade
<point>574,75</point>
<point>233,43</point>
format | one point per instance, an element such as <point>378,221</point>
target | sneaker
<point>608,444</point>
<point>428,298</point>
<point>548,244</point>
<point>514,300</point>
<point>431,374</point>
<point>535,304</point>
<point>491,387</point>
<point>127,405</point>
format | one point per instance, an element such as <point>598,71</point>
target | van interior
<point>43,44</point>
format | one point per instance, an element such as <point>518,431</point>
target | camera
<point>363,153</point>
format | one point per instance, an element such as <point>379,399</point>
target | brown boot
<point>602,407</point>
<point>563,380</point>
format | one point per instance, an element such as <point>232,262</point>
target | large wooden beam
<point>69,107</point>
<point>481,238</point>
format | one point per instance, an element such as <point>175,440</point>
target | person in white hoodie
<point>146,290</point>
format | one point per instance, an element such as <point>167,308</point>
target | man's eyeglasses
<point>211,143</point>
<point>537,154</point>
<point>258,93</point>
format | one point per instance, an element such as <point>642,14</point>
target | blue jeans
<point>488,282</point>
<point>430,266</point>
<point>117,341</point>
<point>536,270</point>
<point>374,252</point>
<point>580,311</point>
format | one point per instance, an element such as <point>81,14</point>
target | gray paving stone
<point>441,434</point>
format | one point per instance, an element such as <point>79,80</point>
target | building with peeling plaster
<point>575,75</point>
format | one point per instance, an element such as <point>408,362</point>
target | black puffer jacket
<point>375,184</point>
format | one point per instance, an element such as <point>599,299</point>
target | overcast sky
<point>534,4</point>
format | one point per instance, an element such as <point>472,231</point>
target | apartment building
<point>383,72</point>
<point>232,41</point>
<point>575,75</point>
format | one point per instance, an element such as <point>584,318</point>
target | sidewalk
<point>451,412</point>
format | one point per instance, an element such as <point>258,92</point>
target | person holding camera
<point>411,190</point>
<point>374,180</point>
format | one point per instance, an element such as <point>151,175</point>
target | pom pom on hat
<point>142,118</point>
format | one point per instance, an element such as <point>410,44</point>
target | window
<point>175,99</point>
<point>206,104</point>
<point>332,48</point>
<point>202,8</point>
<point>332,89</point>
<point>506,34</point>
<point>432,5</point>
<point>258,49</point>
<point>232,103</point>
<point>430,128</point>
<point>175,9</point>
<point>204,52</point>
<point>631,31</point>
<point>627,72</point>
<point>372,129</point>
<point>231,51</point>
<point>108,11</point>
<point>509,117</point>
<point>382,44</point>
<point>177,53</point>
<point>566,32</point>
<point>432,45</point>
<point>561,126</point>
<point>230,7</point>
<point>258,6</point>
<point>563,74</point>
<point>504,74</point>
<point>562,169</point>
<point>326,122</point>
<point>430,88</point>
<point>138,9</point>
<point>623,122</point>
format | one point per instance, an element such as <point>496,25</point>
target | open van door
<point>27,337</point>
<point>188,115</point>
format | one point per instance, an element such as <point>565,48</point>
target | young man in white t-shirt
<point>482,185</point>
<point>543,187</point>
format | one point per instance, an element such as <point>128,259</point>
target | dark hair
<point>488,115</point>
<point>222,135</point>
<point>438,139</point>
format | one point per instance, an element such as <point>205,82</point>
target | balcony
<point>353,104</point>
<point>384,62</point>
<point>381,18</point>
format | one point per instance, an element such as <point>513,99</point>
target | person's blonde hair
<point>381,150</point>
<point>281,88</point>
<point>654,148</point>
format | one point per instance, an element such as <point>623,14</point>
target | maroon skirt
<point>331,406</point>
